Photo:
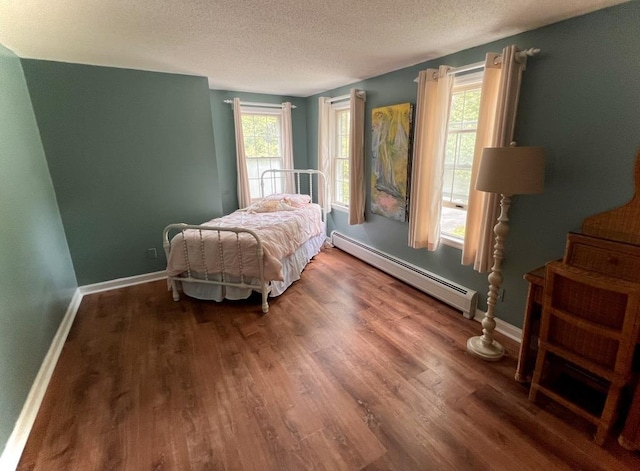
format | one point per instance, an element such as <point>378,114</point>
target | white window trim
<point>261,110</point>
<point>451,241</point>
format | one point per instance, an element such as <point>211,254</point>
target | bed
<point>262,248</point>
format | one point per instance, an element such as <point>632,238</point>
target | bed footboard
<point>199,244</point>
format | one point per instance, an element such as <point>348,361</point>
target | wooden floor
<point>350,370</point>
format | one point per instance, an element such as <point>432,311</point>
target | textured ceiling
<point>284,47</point>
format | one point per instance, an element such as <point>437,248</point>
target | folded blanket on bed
<point>280,231</point>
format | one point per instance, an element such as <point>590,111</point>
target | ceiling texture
<point>281,47</point>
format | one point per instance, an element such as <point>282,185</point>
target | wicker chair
<point>588,332</point>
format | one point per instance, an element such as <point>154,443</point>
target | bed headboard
<point>305,182</point>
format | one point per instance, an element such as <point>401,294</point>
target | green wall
<point>37,278</point>
<point>225,143</point>
<point>579,99</point>
<point>129,152</point>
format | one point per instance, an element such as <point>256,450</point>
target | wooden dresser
<point>608,245</point>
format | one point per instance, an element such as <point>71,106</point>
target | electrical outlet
<point>152,253</point>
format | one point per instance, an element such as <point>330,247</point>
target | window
<point>339,153</point>
<point>495,118</point>
<point>460,146</point>
<point>262,129</point>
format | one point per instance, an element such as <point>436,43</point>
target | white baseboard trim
<point>122,282</point>
<point>506,329</point>
<point>18,439</point>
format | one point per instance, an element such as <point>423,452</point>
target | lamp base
<point>492,352</point>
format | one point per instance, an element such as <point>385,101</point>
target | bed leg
<point>265,296</point>
<point>265,303</point>
<point>174,291</point>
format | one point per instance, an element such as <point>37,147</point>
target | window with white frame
<point>262,129</point>
<point>339,153</point>
<point>460,146</point>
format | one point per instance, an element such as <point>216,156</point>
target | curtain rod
<point>339,98</point>
<point>345,97</point>
<point>466,68</point>
<point>462,69</point>
<point>480,65</point>
<point>262,105</point>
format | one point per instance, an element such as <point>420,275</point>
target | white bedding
<point>282,233</point>
<point>292,267</point>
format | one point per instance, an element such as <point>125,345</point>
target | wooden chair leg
<point>533,392</point>
<point>537,373</point>
<point>608,413</point>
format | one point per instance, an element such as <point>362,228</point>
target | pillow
<point>269,206</point>
<point>298,201</point>
<point>295,200</point>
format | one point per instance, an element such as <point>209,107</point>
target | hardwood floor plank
<point>322,401</point>
<point>350,370</point>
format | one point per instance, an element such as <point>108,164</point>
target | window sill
<point>344,209</point>
<point>451,242</point>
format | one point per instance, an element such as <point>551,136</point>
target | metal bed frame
<point>276,181</point>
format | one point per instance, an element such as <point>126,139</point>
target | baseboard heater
<point>440,288</point>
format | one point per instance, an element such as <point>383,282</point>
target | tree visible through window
<point>460,147</point>
<point>263,145</point>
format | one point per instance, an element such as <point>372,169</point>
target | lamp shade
<point>511,170</point>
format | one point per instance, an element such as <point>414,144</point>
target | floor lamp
<point>507,171</point>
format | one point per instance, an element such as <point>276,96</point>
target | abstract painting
<point>392,135</point>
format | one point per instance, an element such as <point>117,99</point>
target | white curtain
<point>244,194</point>
<point>498,105</point>
<point>356,157</point>
<point>287,147</point>
<point>324,146</point>
<point>432,117</point>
